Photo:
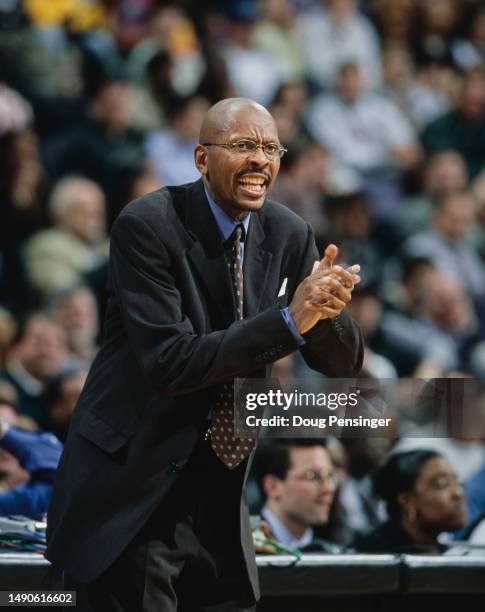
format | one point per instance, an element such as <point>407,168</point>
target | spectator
<point>171,35</point>
<point>462,129</point>
<point>469,51</point>
<point>252,71</point>
<point>445,244</point>
<point>171,151</point>
<point>394,20</point>
<point>368,133</point>
<point>21,190</point>
<point>298,483</point>
<point>435,26</point>
<point>423,499</point>
<point>28,463</point>
<point>444,172</point>
<point>277,34</point>
<point>9,399</point>
<point>387,346</point>
<point>38,355</point>
<point>301,183</point>
<point>364,511</point>
<point>417,99</point>
<point>104,149</point>
<point>76,310</point>
<point>151,94</point>
<point>336,33</point>
<point>59,258</point>
<point>408,296</point>
<point>438,321</point>
<point>351,227</point>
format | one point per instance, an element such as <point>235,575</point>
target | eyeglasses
<point>272,150</point>
<point>319,477</point>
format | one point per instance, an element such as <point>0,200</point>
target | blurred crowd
<point>381,105</point>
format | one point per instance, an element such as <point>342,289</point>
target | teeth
<point>251,181</point>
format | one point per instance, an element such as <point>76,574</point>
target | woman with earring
<point>423,499</point>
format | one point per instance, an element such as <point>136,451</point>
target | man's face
<point>306,494</point>
<point>455,218</point>
<point>42,348</point>
<point>350,84</point>
<point>86,216</point>
<point>239,182</point>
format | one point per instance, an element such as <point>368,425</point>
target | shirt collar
<point>224,222</point>
<point>282,534</point>
<point>24,379</point>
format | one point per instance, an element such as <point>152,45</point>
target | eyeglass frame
<point>232,145</point>
<point>318,477</point>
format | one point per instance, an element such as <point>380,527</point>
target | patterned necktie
<point>230,450</point>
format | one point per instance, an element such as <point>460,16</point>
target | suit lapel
<point>206,253</point>
<point>257,263</point>
<point>207,256</point>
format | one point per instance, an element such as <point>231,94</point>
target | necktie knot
<point>238,235</point>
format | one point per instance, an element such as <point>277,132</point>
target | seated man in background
<point>38,354</point>
<point>28,463</point>
<point>298,483</point>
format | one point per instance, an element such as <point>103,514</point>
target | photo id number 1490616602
<point>37,598</point>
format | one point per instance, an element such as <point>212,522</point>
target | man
<point>463,128</point>
<point>446,243</point>
<point>59,258</point>
<point>298,482</point>
<point>37,356</point>
<point>367,132</point>
<point>148,511</point>
<point>76,310</point>
<point>171,150</point>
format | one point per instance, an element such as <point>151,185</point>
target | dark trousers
<point>187,557</point>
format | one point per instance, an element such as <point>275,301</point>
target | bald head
<point>237,178</point>
<point>221,117</point>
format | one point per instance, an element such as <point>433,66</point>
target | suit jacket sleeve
<point>333,346</point>
<point>172,356</point>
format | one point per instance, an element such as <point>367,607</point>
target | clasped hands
<point>324,293</point>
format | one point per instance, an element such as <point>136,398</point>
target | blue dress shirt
<point>226,226</point>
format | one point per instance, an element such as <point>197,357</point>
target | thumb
<point>330,254</point>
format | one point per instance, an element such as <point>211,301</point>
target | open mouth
<point>253,185</point>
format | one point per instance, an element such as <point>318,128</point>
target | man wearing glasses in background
<point>297,481</point>
<point>209,281</point>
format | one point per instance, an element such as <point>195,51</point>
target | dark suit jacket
<point>170,341</point>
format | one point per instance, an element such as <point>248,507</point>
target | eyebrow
<point>444,475</point>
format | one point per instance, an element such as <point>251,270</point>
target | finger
<point>320,273</point>
<point>324,311</point>
<point>315,266</point>
<point>335,287</point>
<point>344,276</point>
<point>321,297</point>
<point>329,256</point>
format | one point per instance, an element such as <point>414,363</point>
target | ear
<point>272,486</point>
<point>200,157</point>
<point>406,500</point>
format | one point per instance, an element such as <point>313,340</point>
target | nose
<point>259,155</point>
<point>458,492</point>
